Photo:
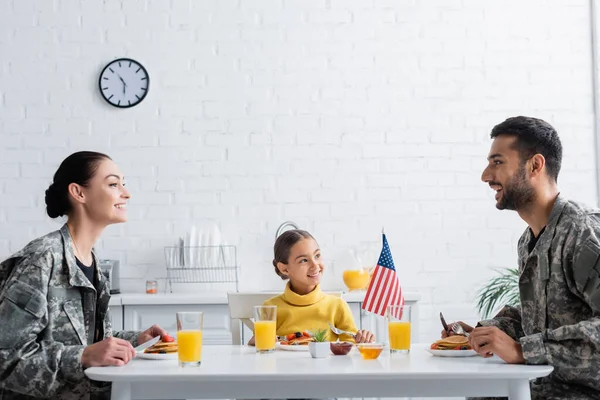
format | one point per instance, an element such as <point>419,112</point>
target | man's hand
<point>110,351</point>
<point>364,336</point>
<point>151,332</point>
<point>489,340</point>
<point>467,328</point>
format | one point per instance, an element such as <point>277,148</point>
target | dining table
<point>229,372</point>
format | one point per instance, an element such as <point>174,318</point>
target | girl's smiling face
<point>304,266</point>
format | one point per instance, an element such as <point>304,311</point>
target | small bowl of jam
<point>341,348</point>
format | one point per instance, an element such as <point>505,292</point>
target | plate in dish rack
<point>292,347</point>
<point>453,353</point>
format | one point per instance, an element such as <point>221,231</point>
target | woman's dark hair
<point>284,244</point>
<point>534,136</point>
<point>78,168</point>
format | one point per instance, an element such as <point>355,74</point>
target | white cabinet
<point>139,312</point>
<point>215,327</point>
<point>377,324</point>
<point>116,317</point>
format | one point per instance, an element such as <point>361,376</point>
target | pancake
<point>455,342</point>
<point>297,338</point>
<point>162,348</point>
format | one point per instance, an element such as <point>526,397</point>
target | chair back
<point>241,310</point>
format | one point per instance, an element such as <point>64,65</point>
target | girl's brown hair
<point>284,244</point>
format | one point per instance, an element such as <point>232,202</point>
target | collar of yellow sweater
<point>302,300</point>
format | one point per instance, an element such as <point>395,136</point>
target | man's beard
<point>517,194</point>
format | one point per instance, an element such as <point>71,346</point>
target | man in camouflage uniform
<point>50,312</point>
<point>558,322</point>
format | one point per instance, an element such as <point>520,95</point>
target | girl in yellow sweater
<point>303,306</point>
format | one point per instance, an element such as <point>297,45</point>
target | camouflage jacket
<point>50,312</point>
<point>559,286</point>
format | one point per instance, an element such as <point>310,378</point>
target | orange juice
<point>189,345</point>
<point>399,332</point>
<point>356,279</point>
<point>265,335</point>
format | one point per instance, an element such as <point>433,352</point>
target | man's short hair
<point>533,136</point>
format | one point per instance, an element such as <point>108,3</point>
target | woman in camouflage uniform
<point>54,300</point>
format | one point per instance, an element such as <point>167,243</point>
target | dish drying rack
<point>202,264</point>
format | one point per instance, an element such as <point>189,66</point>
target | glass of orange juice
<point>189,338</point>
<point>265,328</point>
<point>399,328</point>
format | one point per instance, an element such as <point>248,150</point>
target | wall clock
<point>124,83</point>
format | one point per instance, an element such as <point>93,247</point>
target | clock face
<point>124,83</point>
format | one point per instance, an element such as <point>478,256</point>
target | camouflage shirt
<point>50,312</point>
<point>559,285</point>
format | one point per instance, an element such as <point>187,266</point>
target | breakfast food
<point>455,342</point>
<point>162,348</point>
<point>295,339</point>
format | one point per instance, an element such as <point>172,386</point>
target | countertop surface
<point>214,298</point>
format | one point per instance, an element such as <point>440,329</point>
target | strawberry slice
<point>168,339</point>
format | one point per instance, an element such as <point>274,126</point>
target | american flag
<point>384,288</point>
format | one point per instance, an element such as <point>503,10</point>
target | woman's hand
<point>110,351</point>
<point>364,336</point>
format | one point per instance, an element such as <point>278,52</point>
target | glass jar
<point>151,286</point>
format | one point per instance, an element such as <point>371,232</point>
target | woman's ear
<point>76,192</point>
<point>283,268</point>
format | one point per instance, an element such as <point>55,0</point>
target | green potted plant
<point>320,347</point>
<point>499,291</point>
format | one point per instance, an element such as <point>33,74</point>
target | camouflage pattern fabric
<point>559,320</point>
<point>50,313</point>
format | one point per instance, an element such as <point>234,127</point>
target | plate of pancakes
<point>159,351</point>
<point>295,341</point>
<point>452,346</point>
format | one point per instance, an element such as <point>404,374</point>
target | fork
<point>340,332</point>
<point>456,328</point>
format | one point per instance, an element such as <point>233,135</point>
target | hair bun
<point>55,203</point>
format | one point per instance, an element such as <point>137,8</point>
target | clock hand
<point>124,84</point>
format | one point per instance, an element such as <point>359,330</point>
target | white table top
<point>241,362</point>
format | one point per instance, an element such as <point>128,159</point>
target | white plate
<point>288,347</point>
<point>150,356</point>
<point>453,353</point>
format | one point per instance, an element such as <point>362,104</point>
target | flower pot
<point>318,349</point>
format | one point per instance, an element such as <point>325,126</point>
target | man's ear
<point>537,164</point>
<point>283,268</point>
<point>76,192</point>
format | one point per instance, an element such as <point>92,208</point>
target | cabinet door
<point>116,318</point>
<point>356,313</point>
<point>215,326</point>
<point>377,324</point>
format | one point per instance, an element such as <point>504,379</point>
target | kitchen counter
<point>126,299</point>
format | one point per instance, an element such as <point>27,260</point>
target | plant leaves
<point>502,289</point>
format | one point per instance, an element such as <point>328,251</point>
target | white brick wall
<point>343,116</point>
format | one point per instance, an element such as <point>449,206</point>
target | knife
<point>147,344</point>
<point>444,324</point>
